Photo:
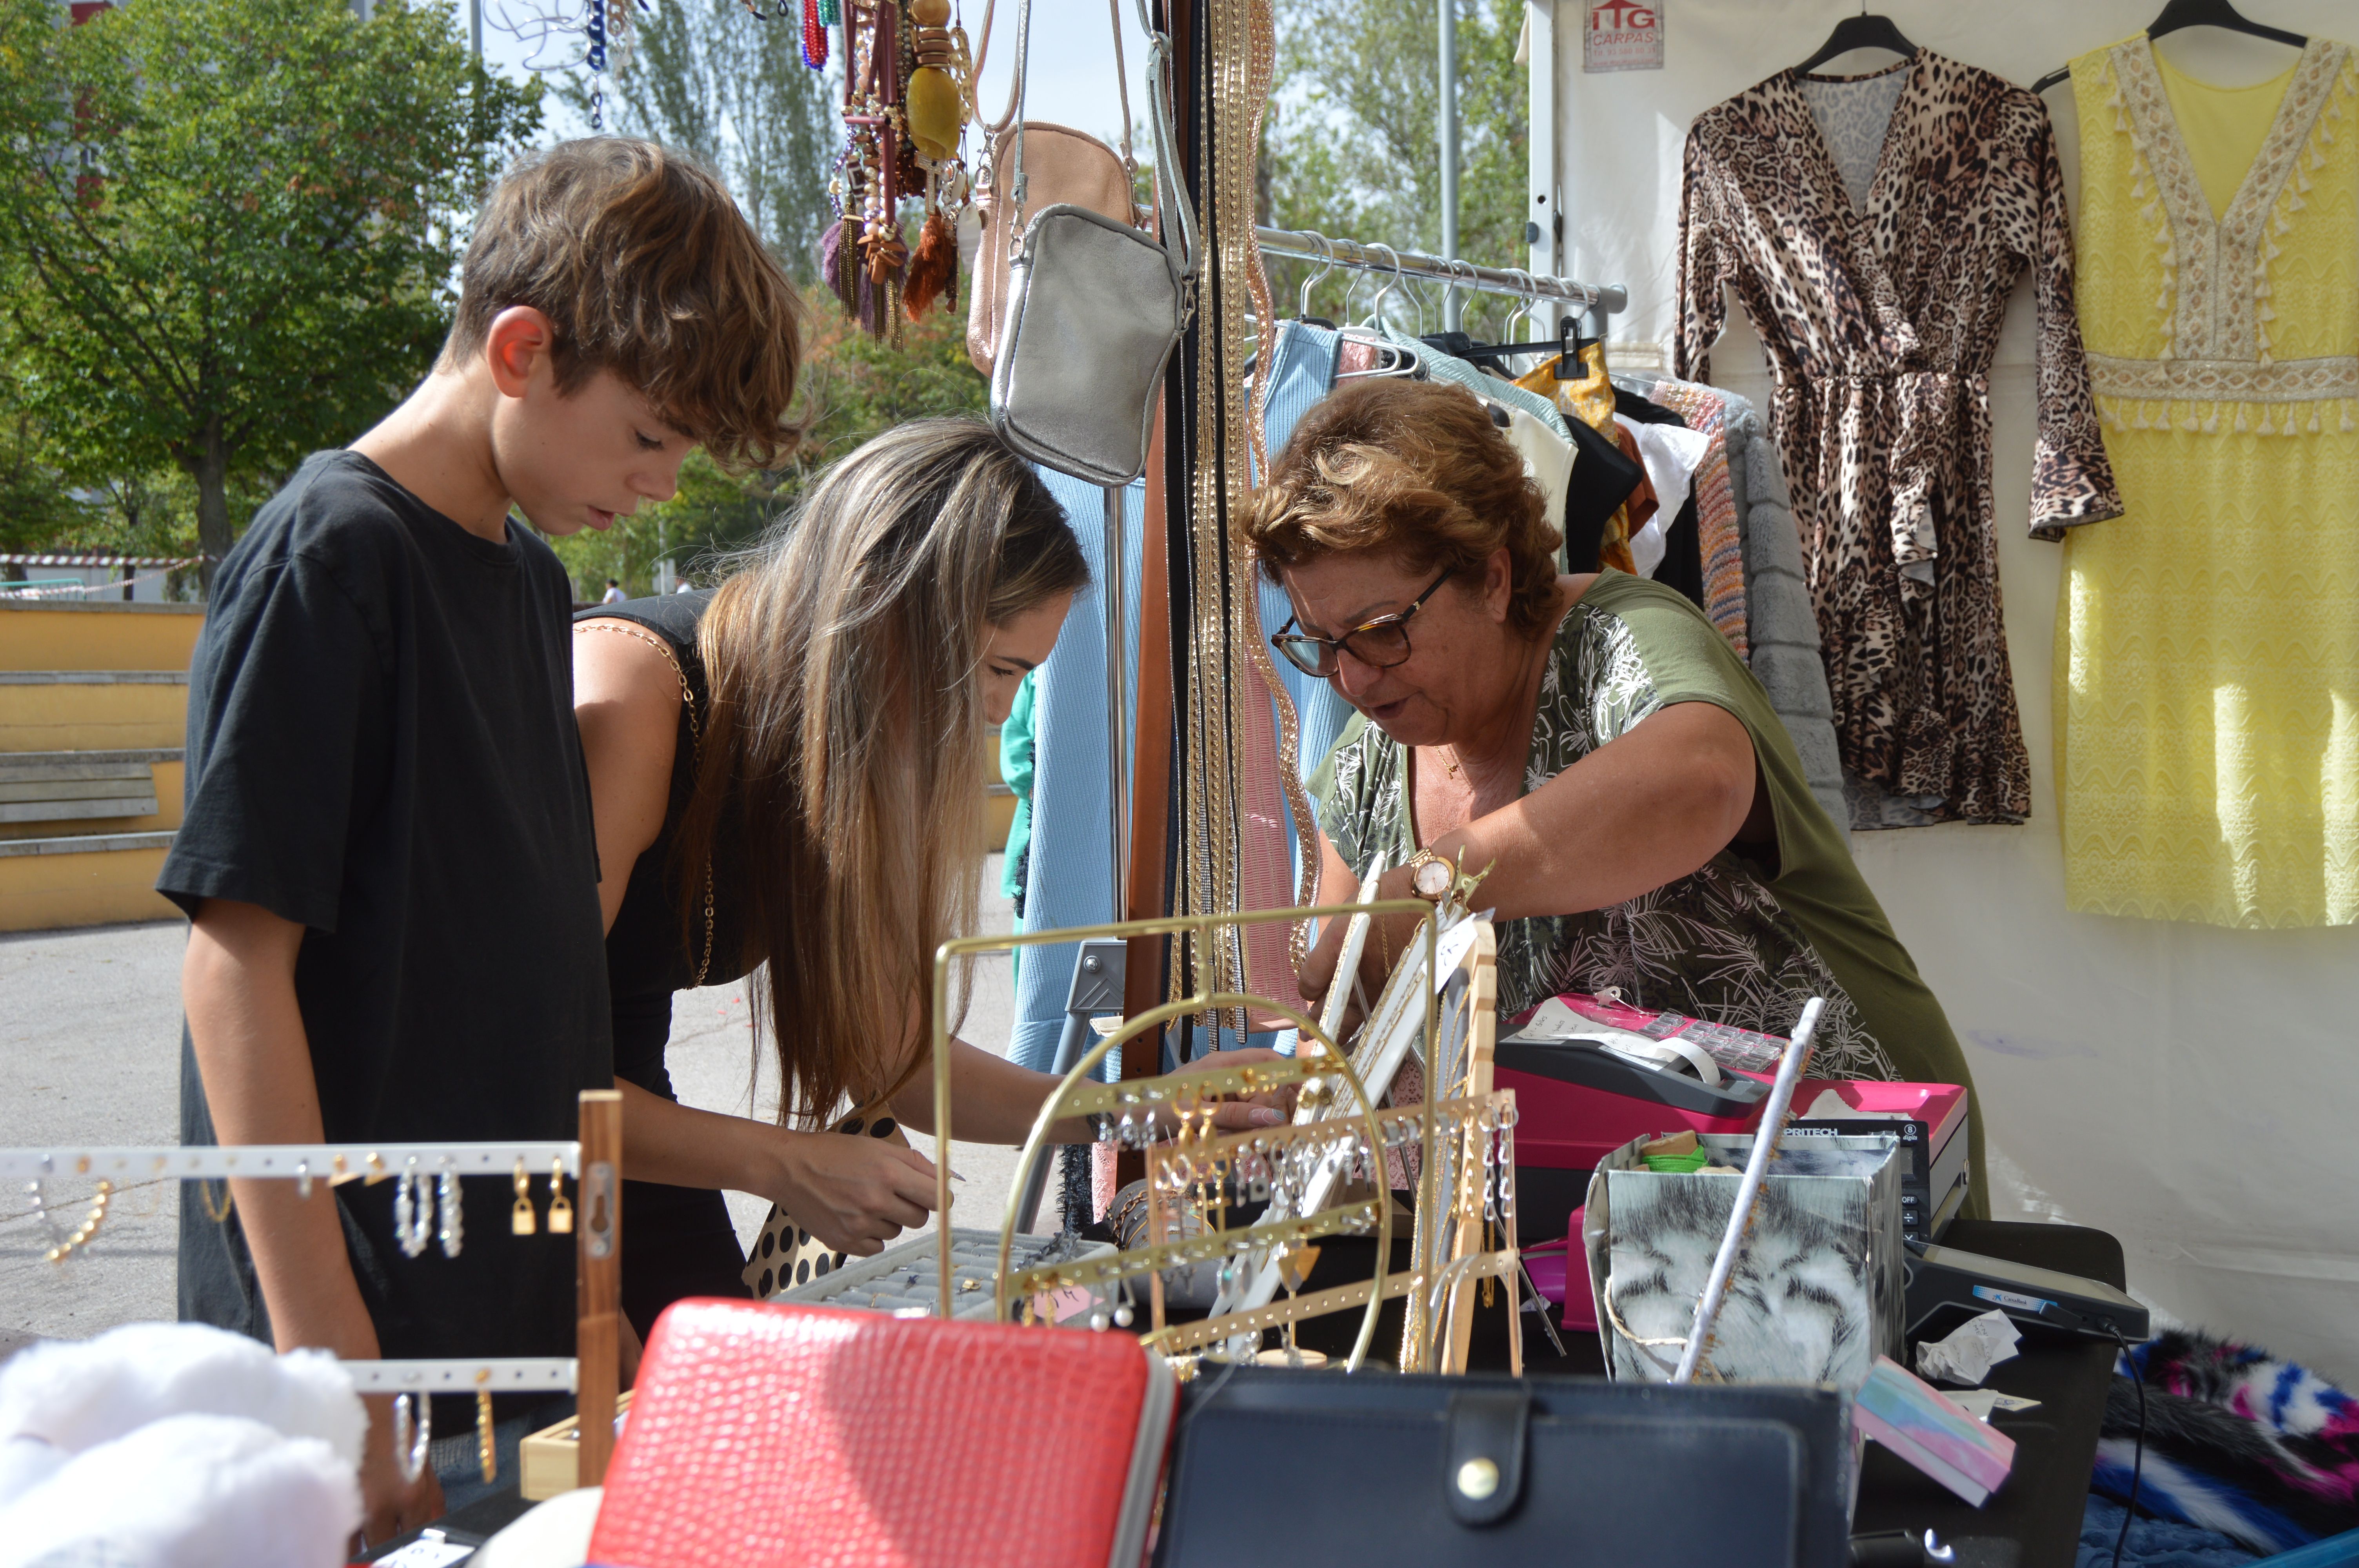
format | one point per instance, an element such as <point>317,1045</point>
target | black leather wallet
<point>1444,1471</point>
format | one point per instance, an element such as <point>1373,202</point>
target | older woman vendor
<point>1591,734</point>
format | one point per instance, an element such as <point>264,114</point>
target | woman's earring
<point>561,1210</point>
<point>453,1229</point>
<point>409,1447</point>
<point>522,1221</point>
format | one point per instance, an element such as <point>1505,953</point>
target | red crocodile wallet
<point>764,1435</point>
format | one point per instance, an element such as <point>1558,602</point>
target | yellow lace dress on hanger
<point>2207,641</point>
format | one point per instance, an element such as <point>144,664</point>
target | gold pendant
<point>521,1220</point>
<point>560,1208</point>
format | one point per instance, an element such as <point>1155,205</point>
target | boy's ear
<point>520,341</point>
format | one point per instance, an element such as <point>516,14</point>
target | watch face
<point>1431,879</point>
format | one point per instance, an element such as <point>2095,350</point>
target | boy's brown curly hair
<point>640,258</point>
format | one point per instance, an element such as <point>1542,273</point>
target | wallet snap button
<point>1478,1478</point>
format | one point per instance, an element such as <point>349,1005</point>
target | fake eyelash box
<point>1818,1293</point>
<point>1579,1100</point>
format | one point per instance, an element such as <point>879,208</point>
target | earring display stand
<point>1465,1143</point>
<point>593,1374</point>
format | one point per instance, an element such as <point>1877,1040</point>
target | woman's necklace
<point>1449,764</point>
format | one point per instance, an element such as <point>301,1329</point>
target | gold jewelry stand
<point>1450,1219</point>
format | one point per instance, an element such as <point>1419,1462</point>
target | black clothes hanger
<point>2195,14</point>
<point>1567,348</point>
<point>1860,32</point>
<point>1459,345</point>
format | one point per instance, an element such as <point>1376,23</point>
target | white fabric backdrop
<point>2183,1087</point>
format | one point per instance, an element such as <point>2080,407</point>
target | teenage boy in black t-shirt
<point>387,854</point>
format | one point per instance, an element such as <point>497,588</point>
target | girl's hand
<point>1244,1114</point>
<point>389,1504</point>
<point>853,1194</point>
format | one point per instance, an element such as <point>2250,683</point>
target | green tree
<point>732,89</point>
<point>705,76</point>
<point>237,222</point>
<point>39,505</point>
<point>1355,152</point>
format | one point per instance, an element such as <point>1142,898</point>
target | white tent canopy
<point>2184,1086</point>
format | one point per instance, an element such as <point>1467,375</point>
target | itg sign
<point>1623,36</point>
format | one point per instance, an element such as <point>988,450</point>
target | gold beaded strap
<point>695,744</point>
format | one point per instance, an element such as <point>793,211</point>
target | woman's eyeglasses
<point>1380,643</point>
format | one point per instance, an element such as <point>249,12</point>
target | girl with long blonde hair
<point>786,777</point>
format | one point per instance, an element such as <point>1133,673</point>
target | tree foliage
<point>236,222</point>
<point>38,507</point>
<point>705,76</point>
<point>1353,149</point>
<point>853,388</point>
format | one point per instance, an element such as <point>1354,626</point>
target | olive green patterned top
<point>1742,941</point>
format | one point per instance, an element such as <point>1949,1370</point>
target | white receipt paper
<point>1980,1403</point>
<point>1970,1352</point>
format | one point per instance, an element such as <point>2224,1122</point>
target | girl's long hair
<point>843,755</point>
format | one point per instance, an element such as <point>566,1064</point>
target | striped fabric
<point>1706,410</point>
<point>1449,367</point>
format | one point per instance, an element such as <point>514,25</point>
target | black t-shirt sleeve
<point>286,712</point>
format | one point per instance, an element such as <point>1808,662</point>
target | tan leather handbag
<point>1060,166</point>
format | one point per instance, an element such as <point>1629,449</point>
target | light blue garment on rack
<point>1071,881</point>
<point>1302,370</point>
<point>1449,367</point>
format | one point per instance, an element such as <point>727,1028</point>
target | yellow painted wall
<point>100,886</point>
<point>99,637</point>
<point>103,888</point>
<point>110,718</point>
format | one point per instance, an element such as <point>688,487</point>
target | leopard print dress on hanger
<point>1872,227</point>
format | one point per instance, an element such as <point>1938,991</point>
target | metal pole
<point>475,27</point>
<point>1545,218</point>
<point>1118,696</point>
<point>1749,1188</point>
<point>1448,116</point>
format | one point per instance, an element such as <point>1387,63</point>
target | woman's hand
<point>1388,938</point>
<point>853,1194</point>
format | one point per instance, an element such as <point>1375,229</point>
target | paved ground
<point>89,1030</point>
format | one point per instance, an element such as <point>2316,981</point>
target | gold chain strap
<point>695,758</point>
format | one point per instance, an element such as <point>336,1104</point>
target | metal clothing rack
<point>1302,244</point>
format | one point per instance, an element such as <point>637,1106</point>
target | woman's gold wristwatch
<point>1430,876</point>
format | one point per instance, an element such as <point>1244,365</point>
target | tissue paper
<point>1970,1352</point>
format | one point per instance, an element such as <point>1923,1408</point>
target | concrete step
<point>113,792</point>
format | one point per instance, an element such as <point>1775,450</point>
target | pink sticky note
<point>1062,1306</point>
